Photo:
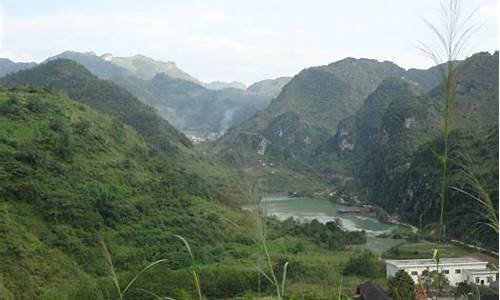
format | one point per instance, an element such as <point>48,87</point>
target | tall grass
<point>265,267</point>
<point>123,292</point>
<point>193,266</point>
<point>487,209</point>
<point>451,36</point>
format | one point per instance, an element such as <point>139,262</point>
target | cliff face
<point>388,143</point>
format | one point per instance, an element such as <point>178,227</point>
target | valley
<point>127,177</point>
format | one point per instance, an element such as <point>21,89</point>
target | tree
<point>365,265</point>
<point>435,281</point>
<point>402,287</point>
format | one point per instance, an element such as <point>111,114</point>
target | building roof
<point>453,261</point>
<point>371,291</point>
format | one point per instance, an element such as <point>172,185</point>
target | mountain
<point>105,96</point>
<point>219,85</point>
<point>71,174</point>
<point>7,66</point>
<point>387,144</point>
<point>426,79</point>
<point>327,127</point>
<point>87,203</point>
<point>269,87</point>
<point>95,64</point>
<point>304,115</point>
<point>179,98</point>
<point>146,68</point>
<point>193,108</point>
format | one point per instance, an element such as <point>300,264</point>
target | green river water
<point>308,209</point>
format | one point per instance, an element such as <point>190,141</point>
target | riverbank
<point>307,209</point>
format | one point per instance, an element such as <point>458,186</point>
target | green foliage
<point>62,185</point>
<point>79,84</point>
<point>436,282</point>
<point>329,236</point>
<point>192,108</point>
<point>301,118</point>
<point>114,184</point>
<point>366,265</point>
<point>395,135</point>
<point>401,286</point>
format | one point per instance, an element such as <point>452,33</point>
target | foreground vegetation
<point>72,177</point>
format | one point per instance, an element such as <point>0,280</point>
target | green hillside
<point>191,107</point>
<point>178,97</point>
<point>304,116</point>
<point>387,145</point>
<point>71,176</point>
<point>376,146</point>
<point>105,96</point>
<point>110,99</point>
<point>68,174</point>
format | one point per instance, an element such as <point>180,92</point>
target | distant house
<point>371,291</point>
<point>456,269</point>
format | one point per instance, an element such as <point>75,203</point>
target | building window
<point>489,279</point>
<point>446,271</point>
<point>477,279</point>
<point>458,271</point>
<point>414,273</point>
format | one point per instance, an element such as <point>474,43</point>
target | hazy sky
<point>231,39</point>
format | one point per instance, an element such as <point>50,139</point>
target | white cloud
<point>488,10</point>
<point>235,40</point>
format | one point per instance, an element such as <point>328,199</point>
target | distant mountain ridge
<point>190,105</point>
<point>219,85</point>
<point>270,87</point>
<point>8,66</point>
<point>146,68</point>
<point>105,96</point>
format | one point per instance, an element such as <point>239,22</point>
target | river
<point>308,209</point>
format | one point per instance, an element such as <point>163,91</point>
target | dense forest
<point>73,177</point>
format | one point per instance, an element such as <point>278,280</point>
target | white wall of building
<point>481,277</point>
<point>455,272</point>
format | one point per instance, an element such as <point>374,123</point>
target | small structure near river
<point>349,210</point>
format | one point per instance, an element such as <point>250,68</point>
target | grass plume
<point>123,292</point>
<point>193,266</point>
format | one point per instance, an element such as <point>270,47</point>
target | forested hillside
<point>380,143</point>
<point>304,116</point>
<point>108,98</point>
<point>70,174</point>
<point>73,178</point>
<point>177,96</point>
<point>394,161</point>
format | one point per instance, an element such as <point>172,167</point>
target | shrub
<point>402,287</point>
<point>366,265</point>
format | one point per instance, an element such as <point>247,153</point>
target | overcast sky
<point>230,39</point>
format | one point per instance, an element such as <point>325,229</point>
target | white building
<point>481,277</point>
<point>456,269</point>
